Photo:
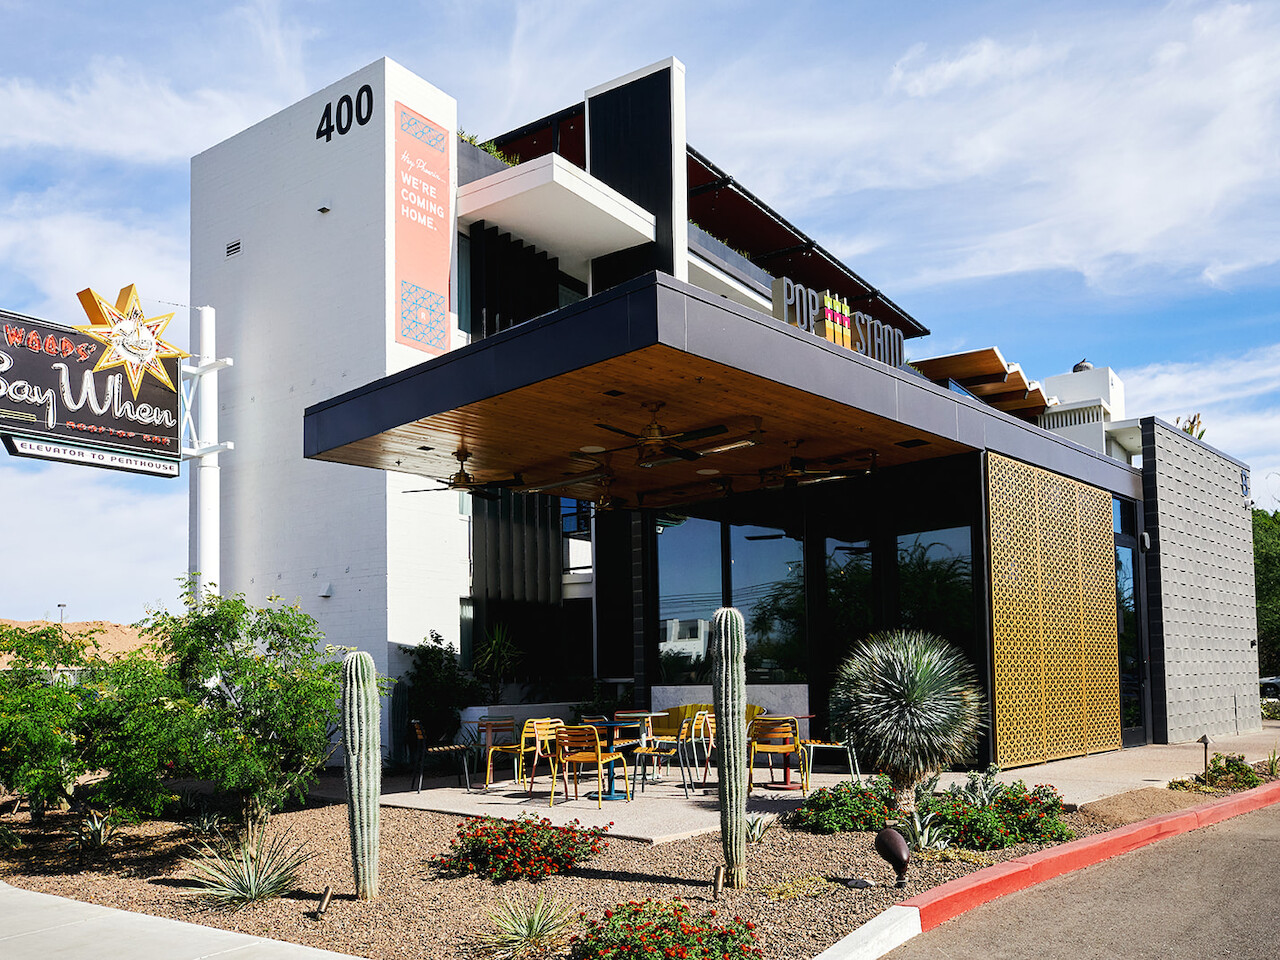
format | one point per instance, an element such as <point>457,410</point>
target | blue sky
<point>1060,180</point>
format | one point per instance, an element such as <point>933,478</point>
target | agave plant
<point>922,833</point>
<point>94,835</point>
<point>231,875</point>
<point>981,790</point>
<point>910,703</point>
<point>758,825</point>
<point>526,929</point>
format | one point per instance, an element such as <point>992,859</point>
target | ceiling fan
<point>656,446</point>
<point>797,471</point>
<point>466,483</point>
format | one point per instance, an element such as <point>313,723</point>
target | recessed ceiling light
<point>913,442</point>
<point>427,449</point>
<point>613,393</point>
<point>708,471</point>
<point>592,448</point>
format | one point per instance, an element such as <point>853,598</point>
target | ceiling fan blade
<point>625,433</point>
<point>484,494</point>
<point>691,435</point>
<point>765,536</point>
<point>425,490</point>
<point>515,480</point>
<point>680,452</point>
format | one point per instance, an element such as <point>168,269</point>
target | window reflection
<point>768,587</point>
<point>935,584</point>
<point>689,592</point>
<point>1130,646</point>
<point>849,596</point>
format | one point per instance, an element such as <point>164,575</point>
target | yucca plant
<point>526,929</point>
<point>910,703</point>
<point>207,822</point>
<point>231,875</point>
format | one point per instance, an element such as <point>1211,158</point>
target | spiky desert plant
<point>729,692</point>
<point>525,930</point>
<point>94,835</point>
<point>361,738</point>
<point>233,874</point>
<point>758,825</point>
<point>910,702</point>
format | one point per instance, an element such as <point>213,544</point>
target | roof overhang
<point>529,399</point>
<point>988,376</point>
<point>558,208</point>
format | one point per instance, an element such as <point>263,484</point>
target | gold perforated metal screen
<point>1053,599</point>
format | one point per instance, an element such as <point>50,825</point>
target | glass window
<point>689,592</point>
<point>575,530</point>
<point>1131,711</point>
<point>935,584</point>
<point>464,283</point>
<point>1122,517</point>
<point>768,587</point>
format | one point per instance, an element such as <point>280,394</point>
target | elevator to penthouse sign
<point>102,394</point>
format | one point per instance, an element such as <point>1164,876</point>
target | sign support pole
<point>200,427</point>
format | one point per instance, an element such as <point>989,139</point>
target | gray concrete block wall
<point>1201,605</point>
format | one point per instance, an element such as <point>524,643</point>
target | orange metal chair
<point>704,732</point>
<point>776,736</point>
<point>664,749</point>
<point>581,745</point>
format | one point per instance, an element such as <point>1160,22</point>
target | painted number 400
<point>338,119</point>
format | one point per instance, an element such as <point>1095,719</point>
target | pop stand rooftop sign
<point>825,315</point>
<point>104,394</point>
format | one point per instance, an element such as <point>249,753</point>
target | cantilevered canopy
<point>986,374</point>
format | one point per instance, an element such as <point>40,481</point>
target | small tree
<point>41,715</point>
<point>438,688</point>
<point>910,703</point>
<point>263,691</point>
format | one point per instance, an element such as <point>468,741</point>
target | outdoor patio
<point>659,814</point>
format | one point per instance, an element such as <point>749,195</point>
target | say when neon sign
<point>823,314</point>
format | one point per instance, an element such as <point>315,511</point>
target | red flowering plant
<point>527,848</point>
<point>664,930</point>
<point>1014,815</point>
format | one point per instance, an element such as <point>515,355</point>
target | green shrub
<point>527,848</point>
<point>232,875</point>
<point>438,689</point>
<point>1271,709</point>
<point>263,693</point>
<point>1017,815</point>
<point>847,806</point>
<point>1229,771</point>
<point>663,928</point>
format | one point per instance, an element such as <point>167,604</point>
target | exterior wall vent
<point>233,248</point>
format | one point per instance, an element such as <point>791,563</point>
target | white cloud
<point>1238,399</point>
<point>1130,147</point>
<point>103,543</point>
<point>59,251</point>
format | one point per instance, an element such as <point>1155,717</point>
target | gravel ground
<point>419,914</point>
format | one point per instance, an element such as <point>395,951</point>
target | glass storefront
<point>767,586</point>
<point>690,589</point>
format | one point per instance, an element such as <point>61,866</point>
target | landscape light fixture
<point>894,851</point>
<point>1204,738</point>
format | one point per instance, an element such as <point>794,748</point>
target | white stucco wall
<point>306,311</point>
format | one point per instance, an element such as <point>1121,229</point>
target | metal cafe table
<point>612,727</point>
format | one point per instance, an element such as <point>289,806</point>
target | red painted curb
<point>956,896</point>
<point>964,893</point>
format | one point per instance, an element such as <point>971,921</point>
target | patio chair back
<point>776,736</point>
<point>581,745</point>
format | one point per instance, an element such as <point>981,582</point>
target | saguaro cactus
<point>361,738</point>
<point>729,690</point>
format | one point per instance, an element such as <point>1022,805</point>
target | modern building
<point>644,394</point>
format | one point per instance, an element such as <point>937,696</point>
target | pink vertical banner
<point>423,225</point>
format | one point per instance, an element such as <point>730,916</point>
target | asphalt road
<point>1211,893</point>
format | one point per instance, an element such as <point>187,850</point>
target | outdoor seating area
<point>651,772</point>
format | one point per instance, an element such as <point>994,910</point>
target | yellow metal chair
<point>664,749</point>
<point>581,745</point>
<point>516,751</point>
<point>776,736</point>
<point>544,745</point>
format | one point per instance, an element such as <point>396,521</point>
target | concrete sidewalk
<point>37,926</point>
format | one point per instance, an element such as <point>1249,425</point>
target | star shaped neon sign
<point>132,339</point>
